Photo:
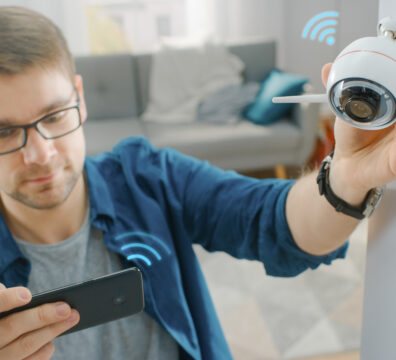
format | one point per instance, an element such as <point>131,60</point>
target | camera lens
<point>363,103</point>
<point>361,109</point>
<point>119,299</point>
<point>360,103</point>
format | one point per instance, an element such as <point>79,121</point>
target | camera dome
<point>362,103</point>
<point>360,87</point>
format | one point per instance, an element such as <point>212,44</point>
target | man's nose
<point>37,149</point>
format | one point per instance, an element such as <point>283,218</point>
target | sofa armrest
<point>305,116</point>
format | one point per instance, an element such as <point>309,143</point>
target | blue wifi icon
<point>142,251</point>
<point>322,26</point>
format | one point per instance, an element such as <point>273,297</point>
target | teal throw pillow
<point>263,111</point>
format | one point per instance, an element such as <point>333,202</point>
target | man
<point>65,218</point>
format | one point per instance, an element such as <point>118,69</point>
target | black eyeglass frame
<point>34,124</point>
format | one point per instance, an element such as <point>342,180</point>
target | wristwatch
<point>370,203</point>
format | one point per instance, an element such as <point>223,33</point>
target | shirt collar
<point>101,205</point>
<point>9,249</point>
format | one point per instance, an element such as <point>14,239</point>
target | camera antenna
<point>312,98</point>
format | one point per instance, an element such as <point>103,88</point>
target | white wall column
<point>379,312</point>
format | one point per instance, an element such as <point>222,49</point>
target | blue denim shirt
<point>152,206</point>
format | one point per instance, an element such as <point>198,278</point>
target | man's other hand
<point>28,334</point>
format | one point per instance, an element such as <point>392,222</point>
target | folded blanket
<point>182,77</point>
<point>226,105</point>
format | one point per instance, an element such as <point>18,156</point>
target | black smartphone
<point>98,300</point>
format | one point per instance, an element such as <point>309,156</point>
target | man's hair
<point>28,39</point>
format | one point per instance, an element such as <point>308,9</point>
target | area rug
<point>267,318</point>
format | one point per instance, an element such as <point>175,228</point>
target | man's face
<point>42,174</point>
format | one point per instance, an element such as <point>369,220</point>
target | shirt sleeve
<point>226,211</point>
<point>246,218</point>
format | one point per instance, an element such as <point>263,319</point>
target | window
<point>133,25</point>
<point>105,31</point>
<point>138,25</point>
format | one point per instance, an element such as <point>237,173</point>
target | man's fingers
<point>44,353</point>
<point>14,297</point>
<point>28,344</point>
<point>325,72</point>
<point>13,326</point>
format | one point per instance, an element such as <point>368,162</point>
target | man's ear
<point>78,83</point>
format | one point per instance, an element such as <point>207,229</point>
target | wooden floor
<point>346,356</point>
<point>289,172</point>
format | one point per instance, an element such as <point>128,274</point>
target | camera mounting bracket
<point>387,27</point>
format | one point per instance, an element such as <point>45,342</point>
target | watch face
<point>373,199</point>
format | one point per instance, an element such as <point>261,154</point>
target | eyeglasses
<point>51,126</point>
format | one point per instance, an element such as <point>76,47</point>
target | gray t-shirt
<point>79,258</point>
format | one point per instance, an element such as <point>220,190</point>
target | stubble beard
<point>48,196</point>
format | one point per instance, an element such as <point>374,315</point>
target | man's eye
<point>54,118</point>
<point>8,133</point>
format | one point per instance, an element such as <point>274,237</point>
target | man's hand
<point>28,334</point>
<point>363,159</point>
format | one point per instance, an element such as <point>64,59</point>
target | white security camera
<point>361,87</point>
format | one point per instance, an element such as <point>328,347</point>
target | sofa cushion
<point>109,85</point>
<point>230,146</point>
<point>263,111</point>
<point>103,135</point>
<point>259,59</point>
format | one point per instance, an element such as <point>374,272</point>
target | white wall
<point>257,19</point>
<point>238,20</point>
<point>387,8</point>
<point>281,20</point>
<point>357,18</point>
<point>69,15</point>
<point>379,315</point>
<point>284,20</point>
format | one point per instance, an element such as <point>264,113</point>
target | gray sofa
<point>116,92</point>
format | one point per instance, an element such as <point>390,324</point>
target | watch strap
<point>359,212</point>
